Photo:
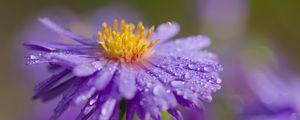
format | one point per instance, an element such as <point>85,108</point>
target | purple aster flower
<point>127,62</point>
<point>275,97</point>
<point>86,25</point>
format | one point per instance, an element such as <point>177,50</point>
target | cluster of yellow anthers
<point>124,43</point>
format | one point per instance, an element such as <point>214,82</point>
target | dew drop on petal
<point>88,109</point>
<point>83,70</point>
<point>218,81</point>
<point>187,75</point>
<point>159,91</point>
<point>177,83</point>
<point>148,84</point>
<point>93,101</point>
<point>209,68</point>
<point>146,90</point>
<point>207,98</point>
<point>192,66</point>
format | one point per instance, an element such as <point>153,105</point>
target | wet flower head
<point>171,73</point>
<point>124,43</point>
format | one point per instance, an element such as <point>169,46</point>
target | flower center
<point>124,42</point>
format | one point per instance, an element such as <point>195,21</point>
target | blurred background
<point>244,33</point>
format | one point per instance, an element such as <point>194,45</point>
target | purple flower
<point>85,24</point>
<point>276,97</point>
<point>127,62</point>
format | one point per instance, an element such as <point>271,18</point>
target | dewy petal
<point>165,31</point>
<point>53,26</point>
<point>66,59</point>
<point>188,78</point>
<point>125,81</point>
<point>89,108</point>
<point>196,55</point>
<point>153,96</point>
<point>184,44</point>
<point>102,79</point>
<point>116,112</point>
<point>178,87</point>
<point>189,104</point>
<point>88,68</point>
<point>107,109</point>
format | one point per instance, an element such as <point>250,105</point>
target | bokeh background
<point>251,30</point>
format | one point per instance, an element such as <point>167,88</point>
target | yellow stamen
<point>124,43</point>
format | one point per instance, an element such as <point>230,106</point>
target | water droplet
<point>208,68</point>
<point>33,57</point>
<point>180,65</point>
<point>207,98</point>
<point>159,90</point>
<point>103,111</point>
<point>88,109</point>
<point>107,109</point>
<point>91,102</point>
<point>178,92</point>
<point>83,70</point>
<point>148,84</point>
<point>187,75</point>
<point>192,66</point>
<point>98,65</point>
<point>176,74</point>
<point>168,91</point>
<point>146,90</point>
<point>177,83</point>
<point>206,85</point>
<point>192,88</point>
<point>218,81</point>
<point>185,96</point>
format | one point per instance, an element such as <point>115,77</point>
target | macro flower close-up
<point>149,60</point>
<point>132,63</point>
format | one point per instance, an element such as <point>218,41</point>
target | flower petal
<point>153,96</point>
<point>64,103</point>
<point>88,68</point>
<point>51,47</point>
<point>45,84</point>
<point>53,26</point>
<point>89,108</point>
<point>107,109</point>
<point>165,31</point>
<point>57,90</point>
<point>125,81</point>
<point>102,79</point>
<point>193,105</point>
<point>184,44</point>
<point>130,109</point>
<point>66,59</point>
<point>188,78</point>
<point>175,113</point>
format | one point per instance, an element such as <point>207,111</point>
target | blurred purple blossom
<point>274,97</point>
